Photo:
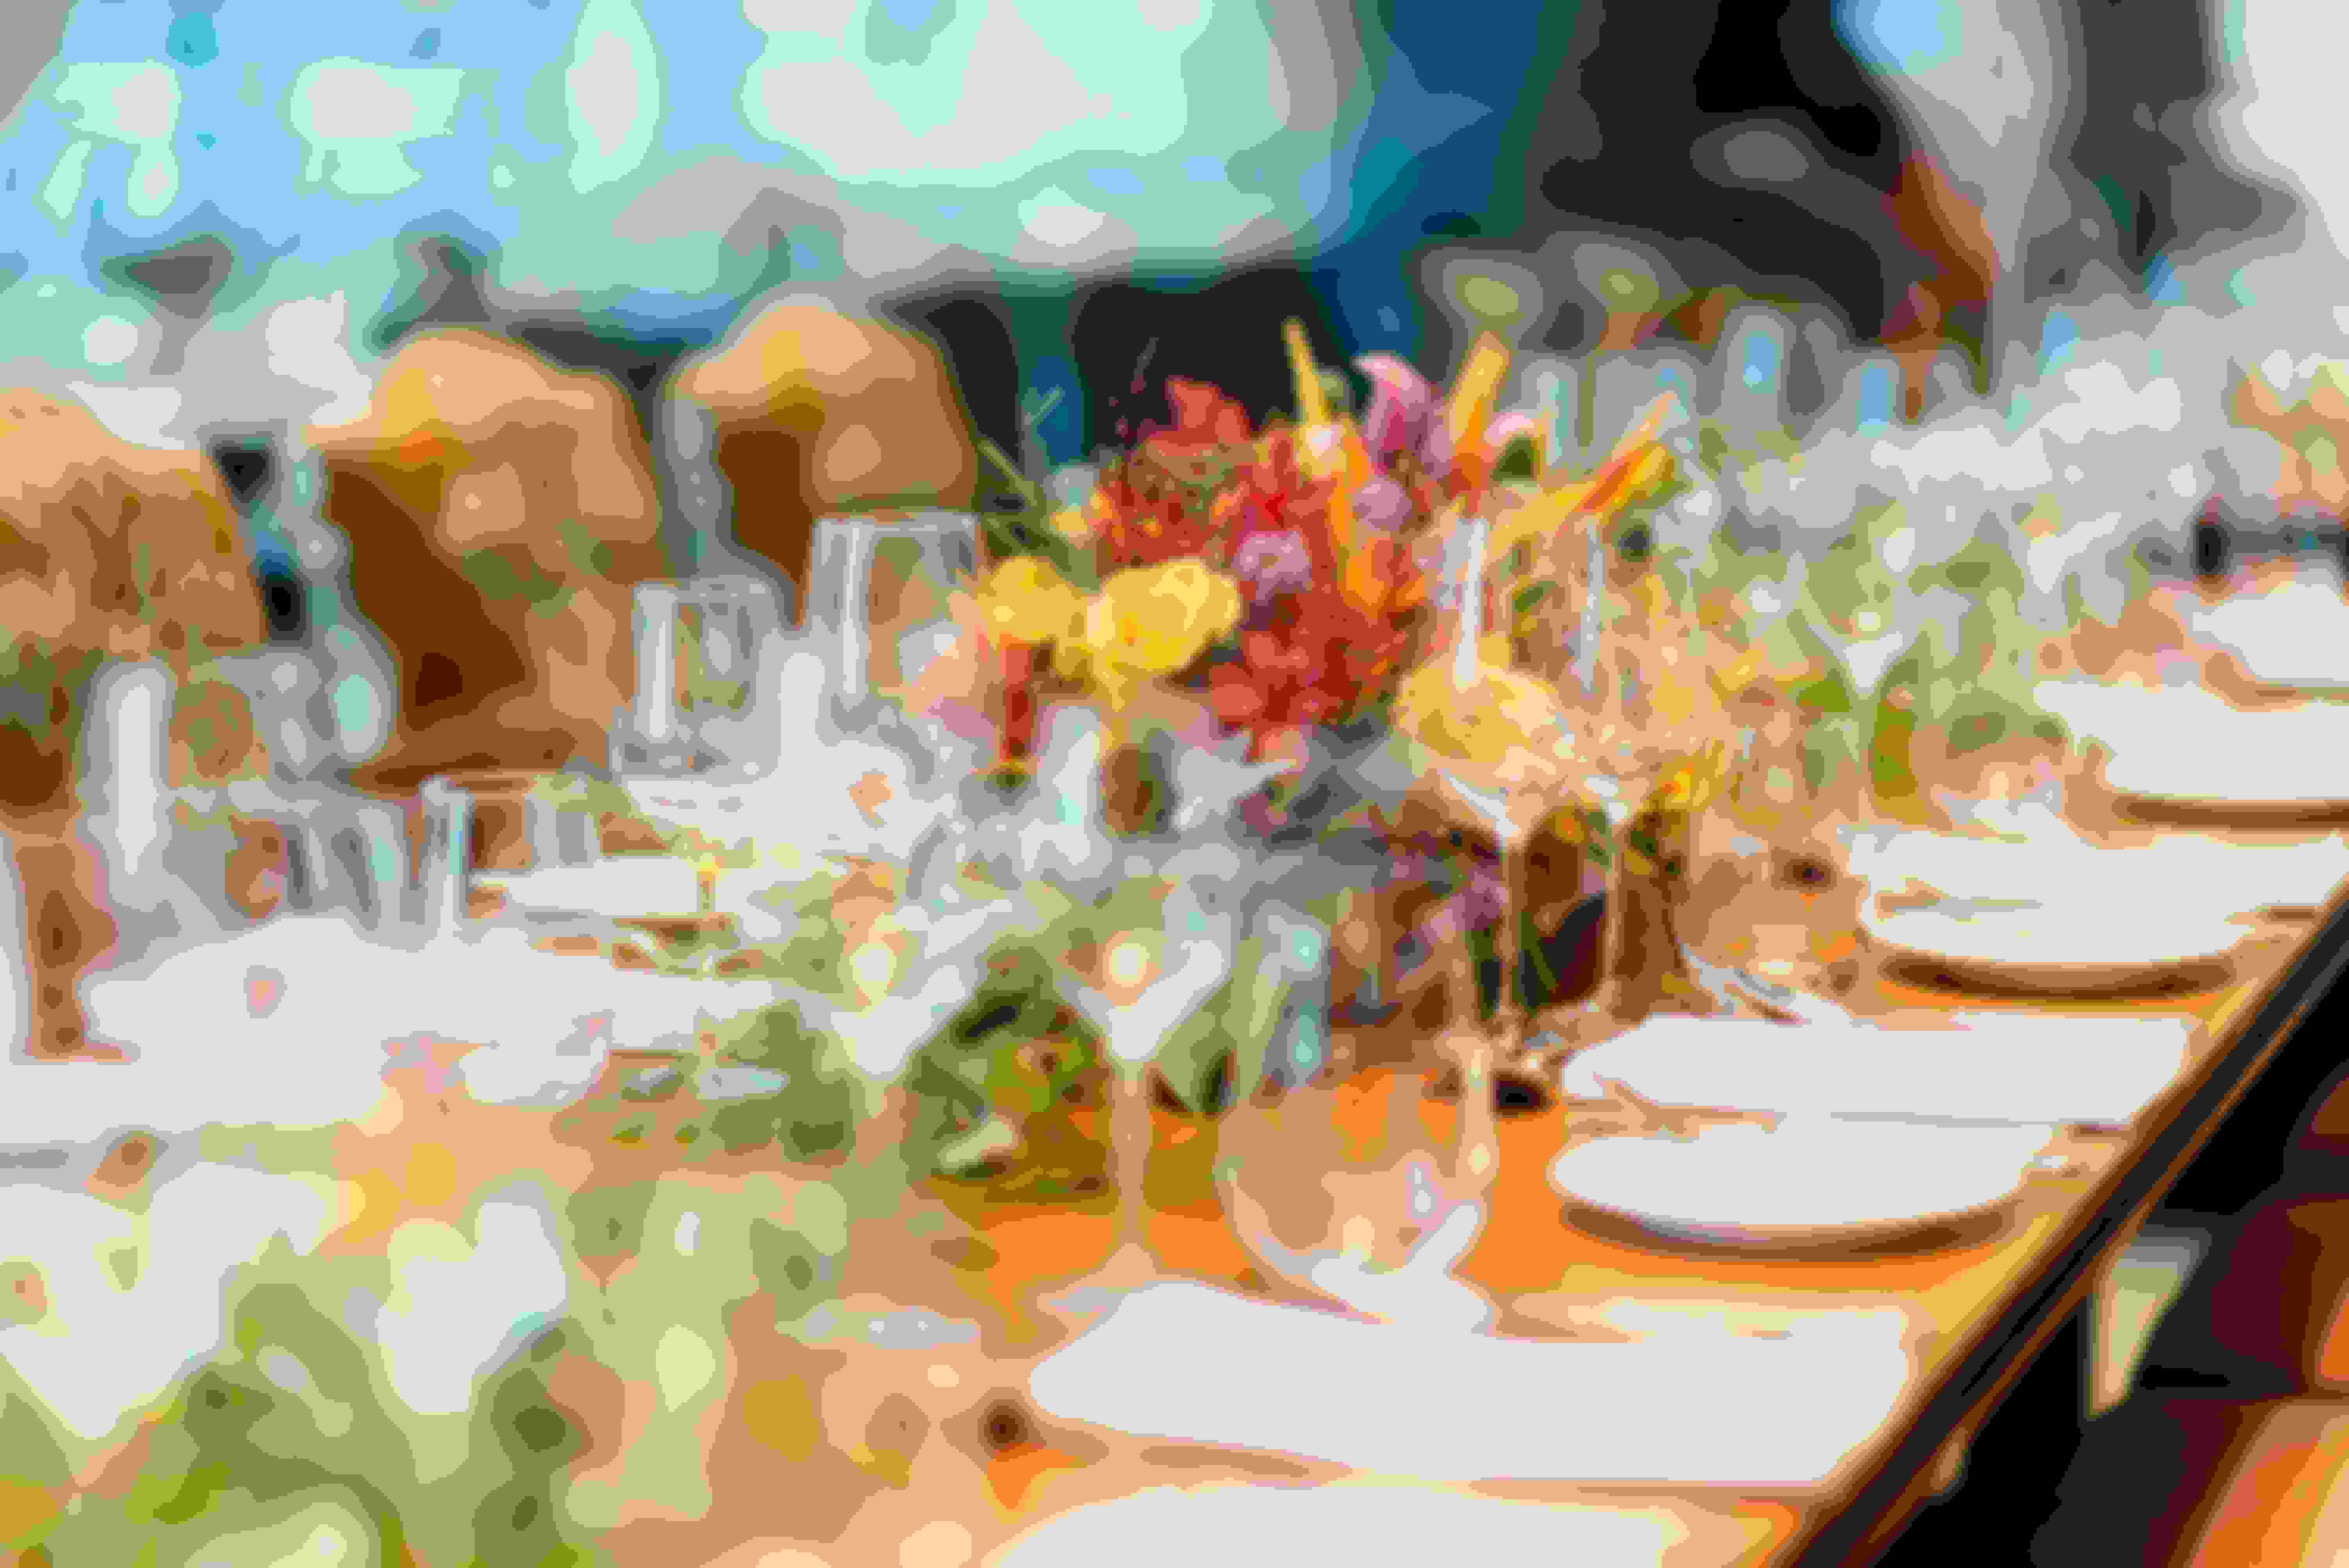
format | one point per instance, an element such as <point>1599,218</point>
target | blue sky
<point>601,145</point>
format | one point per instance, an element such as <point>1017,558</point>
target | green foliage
<point>815,1109</point>
<point>506,574</point>
<point>1011,1052</point>
<point>700,687</point>
<point>1016,518</point>
<point>1227,1045</point>
<point>41,685</point>
<point>1521,460</point>
<point>292,1428</point>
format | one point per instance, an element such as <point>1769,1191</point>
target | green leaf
<point>578,793</point>
<point>1831,694</point>
<point>1520,460</point>
<point>1832,747</point>
<point>1251,1020</point>
<point>991,1139</point>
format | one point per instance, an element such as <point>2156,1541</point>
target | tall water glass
<point>487,840</point>
<point>704,650</point>
<point>879,606</point>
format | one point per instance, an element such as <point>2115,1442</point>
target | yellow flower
<point>1691,786</point>
<point>1499,715</point>
<point>1073,523</point>
<point>1653,468</point>
<point>1151,622</point>
<point>1025,601</point>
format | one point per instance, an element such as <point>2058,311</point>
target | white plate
<point>621,888</point>
<point>2219,874</point>
<point>1367,1524</point>
<point>2026,1068</point>
<point>2295,635</point>
<point>2297,756</point>
<point>1809,1181</point>
<point>2093,939</point>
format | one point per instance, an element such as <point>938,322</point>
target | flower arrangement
<point>1228,582</point>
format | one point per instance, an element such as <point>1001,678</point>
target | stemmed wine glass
<point>1174,954</point>
<point>899,997</point>
<point>1495,738</point>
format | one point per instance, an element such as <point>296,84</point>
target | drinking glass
<point>704,649</point>
<point>511,848</point>
<point>898,999</point>
<point>879,609</point>
<point>1154,977</point>
<point>1508,786</point>
<point>1341,1190</point>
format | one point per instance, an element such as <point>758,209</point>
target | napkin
<point>268,1026</point>
<point>285,1024</point>
<point>108,1347</point>
<point>1370,1525</point>
<point>1188,1364</point>
<point>2020,1068</point>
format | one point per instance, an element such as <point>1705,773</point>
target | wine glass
<point>1356,1161</point>
<point>1175,954</point>
<point>1494,737</point>
<point>1649,731</point>
<point>900,994</point>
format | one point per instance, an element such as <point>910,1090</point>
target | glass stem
<point>1130,1147</point>
<point>1480,1148</point>
<point>1642,952</point>
<point>880,1165</point>
<point>1508,1008</point>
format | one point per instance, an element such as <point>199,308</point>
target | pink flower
<point>1401,415</point>
<point>1509,428</point>
<point>1381,505</point>
<point>1271,564</point>
<point>1479,906</point>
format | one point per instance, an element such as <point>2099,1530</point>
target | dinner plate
<point>1360,1524</point>
<point>2094,941</point>
<point>1807,1182</point>
<point>620,889</point>
<point>2296,635</point>
<point>2271,759</point>
<point>2024,1069</point>
<point>2233,877</point>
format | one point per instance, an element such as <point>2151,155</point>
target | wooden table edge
<point>2256,1027</point>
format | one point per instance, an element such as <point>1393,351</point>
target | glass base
<point>632,756</point>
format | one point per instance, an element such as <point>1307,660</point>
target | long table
<point>977,1465</point>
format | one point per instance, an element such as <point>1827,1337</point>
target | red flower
<point>1205,421</point>
<point>1315,658</point>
